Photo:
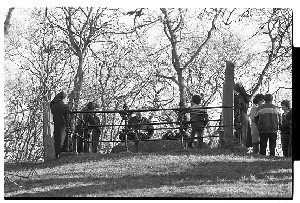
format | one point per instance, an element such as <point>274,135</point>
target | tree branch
<point>204,43</point>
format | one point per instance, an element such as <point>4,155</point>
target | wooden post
<point>228,101</point>
<point>48,139</point>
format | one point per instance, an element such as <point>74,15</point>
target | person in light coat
<point>257,101</point>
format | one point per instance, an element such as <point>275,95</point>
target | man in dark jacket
<point>59,111</point>
<point>267,119</point>
<point>289,118</point>
<point>285,127</point>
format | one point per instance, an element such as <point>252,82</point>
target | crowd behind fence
<point>181,125</point>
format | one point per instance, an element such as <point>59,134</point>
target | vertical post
<point>228,101</point>
<point>221,132</point>
<point>74,143</point>
<point>48,139</point>
<point>126,131</point>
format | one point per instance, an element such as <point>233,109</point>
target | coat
<point>59,111</point>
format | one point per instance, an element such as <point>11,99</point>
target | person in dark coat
<point>285,127</point>
<point>241,100</point>
<point>59,111</point>
<point>289,118</point>
<point>90,119</point>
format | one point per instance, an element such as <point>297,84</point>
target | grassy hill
<point>209,173</point>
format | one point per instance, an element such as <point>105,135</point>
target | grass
<point>209,173</point>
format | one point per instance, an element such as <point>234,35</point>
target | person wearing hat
<point>285,127</point>
<point>59,111</point>
<point>241,101</point>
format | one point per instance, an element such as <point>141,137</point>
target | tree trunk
<point>182,88</point>
<point>48,139</point>
<point>228,101</point>
<point>78,80</point>
<point>75,96</point>
<point>7,20</point>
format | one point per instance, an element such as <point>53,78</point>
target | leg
<point>255,147</point>
<point>272,143</point>
<point>95,141</point>
<point>200,138</point>
<point>285,144</point>
<point>56,144</point>
<point>290,144</point>
<point>244,121</point>
<point>190,141</point>
<point>86,143</point>
<point>263,143</point>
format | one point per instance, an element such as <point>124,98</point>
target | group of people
<point>87,137</point>
<point>265,121</point>
<point>139,128</point>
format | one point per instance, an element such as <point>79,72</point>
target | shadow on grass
<point>198,174</point>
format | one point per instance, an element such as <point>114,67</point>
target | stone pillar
<point>48,139</point>
<point>228,101</point>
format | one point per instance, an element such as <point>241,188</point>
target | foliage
<point>147,58</point>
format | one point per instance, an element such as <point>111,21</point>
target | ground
<point>196,173</point>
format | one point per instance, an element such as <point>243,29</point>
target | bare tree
<point>278,28</point>
<point>173,31</point>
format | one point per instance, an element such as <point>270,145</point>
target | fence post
<point>48,139</point>
<point>228,100</point>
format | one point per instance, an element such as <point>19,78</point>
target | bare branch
<point>204,43</point>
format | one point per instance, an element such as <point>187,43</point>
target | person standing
<point>257,101</point>
<point>285,128</point>
<point>59,111</point>
<point>267,120</point>
<point>199,120</point>
<point>289,118</point>
<point>241,102</point>
<point>91,139</point>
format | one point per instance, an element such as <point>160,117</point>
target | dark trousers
<point>264,137</point>
<point>255,147</point>
<point>285,140</point>
<point>193,133</point>
<point>80,144</point>
<point>290,144</point>
<point>59,138</point>
<point>95,140</point>
<point>86,142</point>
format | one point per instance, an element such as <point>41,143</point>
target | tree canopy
<point>147,58</point>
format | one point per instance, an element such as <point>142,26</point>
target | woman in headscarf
<point>59,111</point>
